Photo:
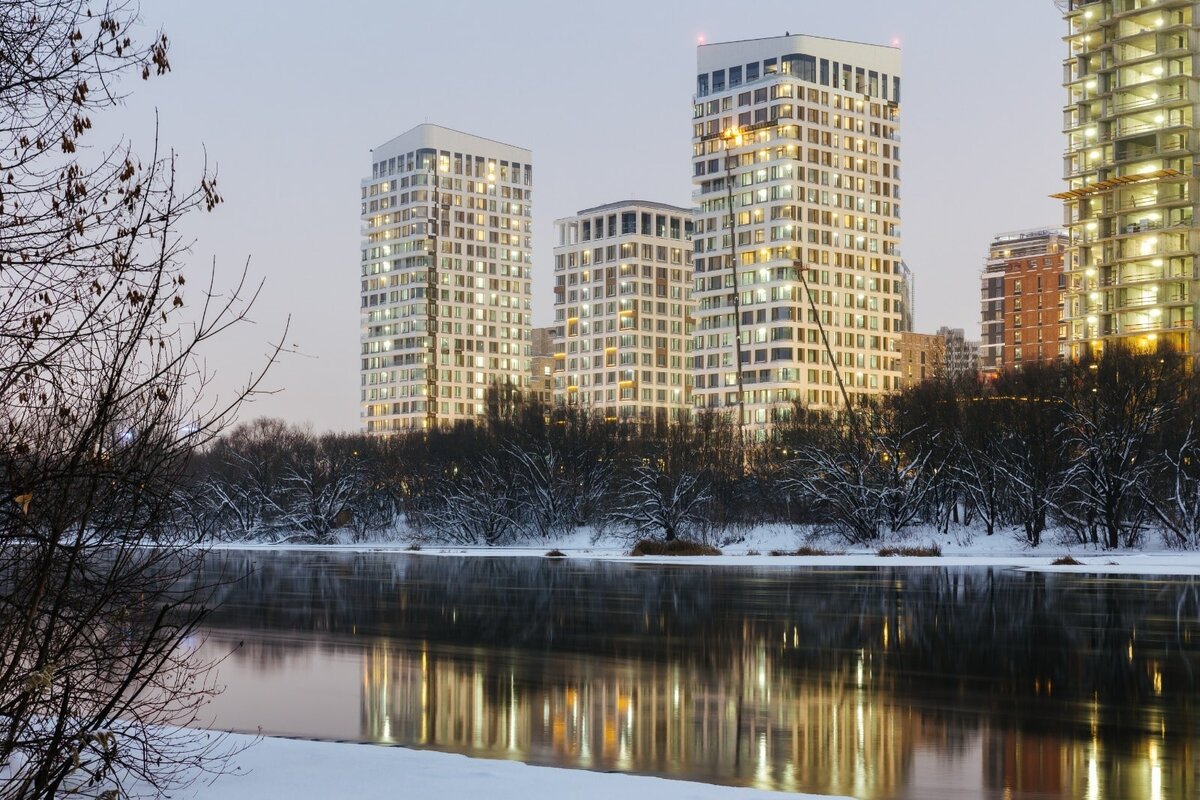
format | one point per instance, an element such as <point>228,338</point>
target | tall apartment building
<point>947,354</point>
<point>802,133</point>
<point>1132,146</point>
<point>1022,300</point>
<point>922,358</point>
<point>541,379</point>
<point>622,302</point>
<point>961,353</point>
<point>446,266</point>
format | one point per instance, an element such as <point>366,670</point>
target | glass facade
<point>1131,151</point>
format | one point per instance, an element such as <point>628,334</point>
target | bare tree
<point>908,469</point>
<point>480,507</point>
<point>101,404</point>
<point>654,501</point>
<point>1113,415</point>
<point>978,476</point>
<point>837,479</point>
<point>1177,505</point>
<point>321,485</point>
<point>242,475</point>
<point>868,474</point>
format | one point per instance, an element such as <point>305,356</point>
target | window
<point>735,76</point>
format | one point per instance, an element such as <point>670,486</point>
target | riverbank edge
<point>271,766</point>
<point>1117,562</point>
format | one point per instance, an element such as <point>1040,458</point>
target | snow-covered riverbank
<point>767,547</point>
<point>272,767</point>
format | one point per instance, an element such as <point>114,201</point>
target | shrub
<point>675,547</point>
<point>928,551</point>
<point>1066,561</point>
<point>809,550</point>
<point>556,553</point>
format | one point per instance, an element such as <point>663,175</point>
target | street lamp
<point>733,138</point>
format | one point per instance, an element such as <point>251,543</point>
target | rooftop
<point>1030,233</point>
<point>428,127</point>
<point>790,35</point>
<point>638,203</point>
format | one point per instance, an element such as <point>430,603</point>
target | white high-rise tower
<point>802,133</point>
<point>455,327</point>
<point>623,308</point>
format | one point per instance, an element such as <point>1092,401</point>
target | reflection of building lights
<point>1155,771</point>
<point>762,770</point>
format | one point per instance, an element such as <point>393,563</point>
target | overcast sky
<point>288,98</point>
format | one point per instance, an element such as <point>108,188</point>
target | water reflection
<point>874,683</point>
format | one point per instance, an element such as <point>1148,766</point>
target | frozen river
<point>869,682</point>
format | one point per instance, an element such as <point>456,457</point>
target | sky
<point>286,100</point>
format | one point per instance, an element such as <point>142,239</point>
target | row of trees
<point>511,479</point>
<point>1105,450</point>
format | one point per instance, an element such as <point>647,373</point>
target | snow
<point>1002,550</point>
<point>275,767</point>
